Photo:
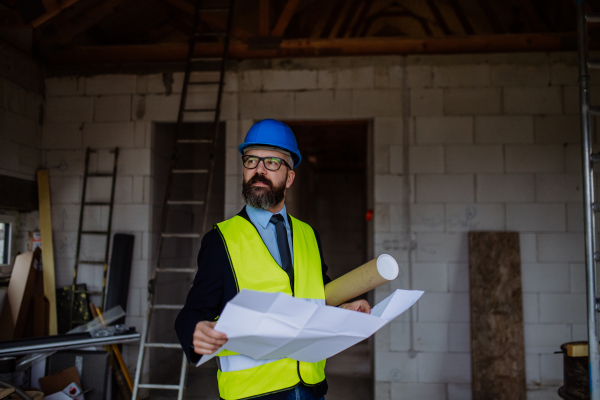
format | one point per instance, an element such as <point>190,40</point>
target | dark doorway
<point>330,194</point>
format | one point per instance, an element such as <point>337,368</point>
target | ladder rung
<point>594,64</point>
<point>190,171</point>
<point>200,110</point>
<point>596,207</point>
<point>176,270</point>
<point>597,256</point>
<point>156,386</point>
<point>96,203</point>
<point>194,140</point>
<point>100,175</point>
<point>595,110</point>
<point>181,235</point>
<point>185,202</point>
<point>95,233</point>
<point>204,83</point>
<point>592,17</point>
<point>167,307</point>
<point>91,262</point>
<point>164,345</point>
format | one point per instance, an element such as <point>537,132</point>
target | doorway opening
<point>331,194</point>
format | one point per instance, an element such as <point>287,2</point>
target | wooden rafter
<point>325,47</point>
<point>439,17</point>
<point>332,19</point>
<point>211,18</point>
<point>491,16</point>
<point>366,7</point>
<point>52,13</point>
<point>351,16</point>
<point>462,17</point>
<point>264,14</point>
<point>285,17</point>
<point>69,30</point>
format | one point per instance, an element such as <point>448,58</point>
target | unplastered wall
<point>493,144</point>
<point>103,112</point>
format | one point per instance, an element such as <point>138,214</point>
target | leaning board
<point>47,249</point>
<point>497,342</point>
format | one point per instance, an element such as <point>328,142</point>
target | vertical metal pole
<point>588,194</point>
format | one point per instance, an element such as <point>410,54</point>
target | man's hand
<point>206,339</point>
<point>358,305</point>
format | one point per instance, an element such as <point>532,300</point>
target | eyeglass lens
<point>271,163</point>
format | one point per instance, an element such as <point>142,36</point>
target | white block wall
<point>493,146</point>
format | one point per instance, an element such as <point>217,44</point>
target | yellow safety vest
<point>242,377</point>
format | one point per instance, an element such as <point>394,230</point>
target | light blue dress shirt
<point>261,220</point>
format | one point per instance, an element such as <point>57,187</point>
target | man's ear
<point>290,178</point>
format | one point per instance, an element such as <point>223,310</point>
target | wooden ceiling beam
<point>264,15</point>
<point>439,17</point>
<point>211,18</point>
<point>462,17</point>
<point>332,19</point>
<point>351,16</point>
<point>285,17</point>
<point>491,16</point>
<point>324,47</point>
<point>76,26</point>
<point>361,18</point>
<point>52,13</point>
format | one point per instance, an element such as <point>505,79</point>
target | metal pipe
<point>588,198</point>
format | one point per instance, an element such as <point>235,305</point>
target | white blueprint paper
<point>268,326</point>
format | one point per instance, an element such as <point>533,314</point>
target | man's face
<point>263,188</point>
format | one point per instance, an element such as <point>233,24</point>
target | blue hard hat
<point>270,132</point>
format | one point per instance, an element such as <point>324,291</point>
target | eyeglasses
<point>270,163</point>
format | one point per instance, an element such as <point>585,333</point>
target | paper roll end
<point>387,267</point>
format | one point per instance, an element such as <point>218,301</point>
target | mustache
<point>257,178</point>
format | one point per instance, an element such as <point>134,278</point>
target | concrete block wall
<point>103,112</point>
<point>96,112</point>
<point>493,146</point>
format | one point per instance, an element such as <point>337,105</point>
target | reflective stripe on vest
<point>254,268</point>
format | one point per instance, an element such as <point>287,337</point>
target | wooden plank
<point>439,17</point>
<point>264,23</point>
<point>322,48</point>
<point>462,17</point>
<point>19,295</point>
<point>491,16</point>
<point>366,7</point>
<point>51,14</point>
<point>285,17</point>
<point>84,21</point>
<point>497,338</point>
<point>47,249</point>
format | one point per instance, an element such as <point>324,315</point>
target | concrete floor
<point>348,376</point>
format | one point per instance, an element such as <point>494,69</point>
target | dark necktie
<point>284,248</point>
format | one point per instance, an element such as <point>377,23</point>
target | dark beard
<point>262,197</point>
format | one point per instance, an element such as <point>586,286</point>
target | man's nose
<point>261,169</point>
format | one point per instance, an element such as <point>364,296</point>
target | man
<point>262,248</point>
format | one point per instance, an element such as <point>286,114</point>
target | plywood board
<point>497,339</point>
<point>18,297</point>
<point>47,249</point>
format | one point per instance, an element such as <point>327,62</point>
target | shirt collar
<point>262,217</point>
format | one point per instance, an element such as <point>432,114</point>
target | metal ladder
<point>81,232</point>
<point>590,206</point>
<point>191,66</point>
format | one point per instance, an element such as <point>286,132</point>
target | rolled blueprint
<point>362,279</point>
